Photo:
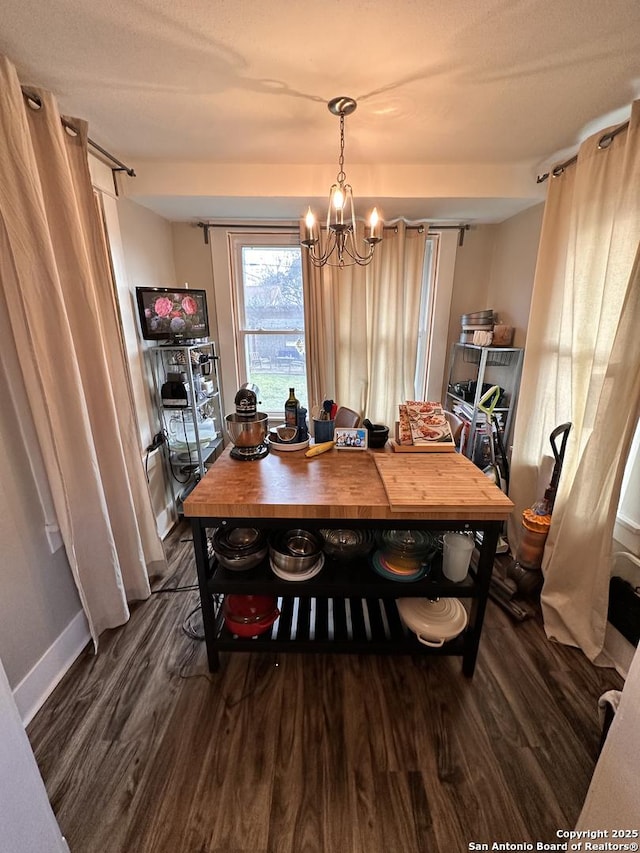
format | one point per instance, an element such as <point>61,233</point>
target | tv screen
<point>172,314</point>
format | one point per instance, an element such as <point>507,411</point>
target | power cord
<point>188,628</point>
<point>190,588</point>
<point>159,439</point>
<point>189,476</point>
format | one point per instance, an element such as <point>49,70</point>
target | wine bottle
<point>291,409</point>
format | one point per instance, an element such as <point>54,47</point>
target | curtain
<point>583,365</point>
<point>362,327</point>
<point>56,283</point>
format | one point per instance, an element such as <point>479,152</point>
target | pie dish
<point>278,445</point>
<point>385,570</point>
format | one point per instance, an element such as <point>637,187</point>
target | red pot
<point>249,615</point>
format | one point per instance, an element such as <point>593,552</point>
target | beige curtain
<point>55,279</point>
<point>583,365</point>
<point>362,327</point>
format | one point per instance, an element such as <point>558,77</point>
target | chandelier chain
<point>341,174</point>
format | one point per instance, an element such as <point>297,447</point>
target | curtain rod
<point>36,100</point>
<point>604,142</point>
<point>420,228</point>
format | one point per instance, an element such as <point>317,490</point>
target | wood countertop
<point>348,484</point>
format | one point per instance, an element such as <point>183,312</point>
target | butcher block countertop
<point>349,484</point>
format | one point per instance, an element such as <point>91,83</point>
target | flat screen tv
<point>176,315</point>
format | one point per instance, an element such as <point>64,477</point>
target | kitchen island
<point>347,607</point>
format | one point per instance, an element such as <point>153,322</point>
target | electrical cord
<point>159,439</point>
<point>190,588</point>
<point>187,625</point>
<point>188,628</point>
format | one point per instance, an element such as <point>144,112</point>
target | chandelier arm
<point>355,254</point>
<point>318,257</point>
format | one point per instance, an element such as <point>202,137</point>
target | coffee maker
<point>247,427</point>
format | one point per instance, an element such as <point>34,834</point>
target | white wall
<point>472,275</point>
<point>28,822</point>
<point>513,265</point>
<point>193,265</point>
<point>39,597</point>
<point>143,242</point>
<point>495,269</point>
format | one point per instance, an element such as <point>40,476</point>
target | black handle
<point>562,430</point>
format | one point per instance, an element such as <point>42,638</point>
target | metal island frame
<point>347,607</point>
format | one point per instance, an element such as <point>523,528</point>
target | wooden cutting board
<point>441,485</point>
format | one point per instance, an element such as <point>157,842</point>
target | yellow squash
<point>317,449</point>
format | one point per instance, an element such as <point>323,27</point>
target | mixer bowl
<point>247,433</point>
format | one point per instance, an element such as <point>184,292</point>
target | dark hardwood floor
<point>143,751</point>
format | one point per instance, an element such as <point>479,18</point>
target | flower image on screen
<point>179,314</point>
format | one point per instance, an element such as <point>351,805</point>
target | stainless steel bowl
<point>239,548</point>
<point>347,544</point>
<point>295,551</point>
<point>242,562</point>
<point>238,540</point>
<point>301,543</point>
<point>247,433</point>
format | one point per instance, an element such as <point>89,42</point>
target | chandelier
<point>340,249</point>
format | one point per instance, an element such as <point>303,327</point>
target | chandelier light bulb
<point>309,228</point>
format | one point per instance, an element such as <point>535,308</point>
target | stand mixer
<point>247,428</point>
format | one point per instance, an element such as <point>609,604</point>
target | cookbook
<point>422,427</point>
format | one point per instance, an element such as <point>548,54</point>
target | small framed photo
<point>350,439</point>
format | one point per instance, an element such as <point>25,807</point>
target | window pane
<point>425,329</point>
<point>272,288</point>
<point>267,277</point>
<point>276,363</point>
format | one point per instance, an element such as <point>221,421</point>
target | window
<point>425,330</point>
<point>268,305</point>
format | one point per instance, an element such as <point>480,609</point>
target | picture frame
<point>351,438</point>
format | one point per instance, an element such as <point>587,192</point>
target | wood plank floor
<point>143,751</point>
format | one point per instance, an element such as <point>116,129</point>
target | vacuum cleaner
<point>524,573</point>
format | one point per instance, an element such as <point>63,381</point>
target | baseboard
<point>619,650</point>
<point>165,522</point>
<point>37,685</point>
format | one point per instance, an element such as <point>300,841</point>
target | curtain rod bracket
<point>205,231</point>
<point>35,102</point>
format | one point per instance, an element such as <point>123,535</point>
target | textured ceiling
<point>513,83</point>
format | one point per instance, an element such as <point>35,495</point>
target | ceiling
<point>220,106</point>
